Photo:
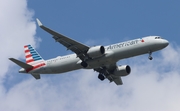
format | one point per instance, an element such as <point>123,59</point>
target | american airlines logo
<point>123,44</point>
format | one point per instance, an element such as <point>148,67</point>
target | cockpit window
<point>157,37</point>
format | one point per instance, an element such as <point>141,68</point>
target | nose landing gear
<point>150,57</point>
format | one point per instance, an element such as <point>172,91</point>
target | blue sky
<point>106,21</point>
<point>152,85</point>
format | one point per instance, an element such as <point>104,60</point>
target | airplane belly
<point>64,66</point>
<point>101,61</point>
<point>67,68</point>
<point>45,70</point>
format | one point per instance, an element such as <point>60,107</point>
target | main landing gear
<point>101,77</point>
<point>84,64</point>
<point>150,57</point>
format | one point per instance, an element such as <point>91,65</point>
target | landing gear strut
<point>150,57</point>
<point>101,77</point>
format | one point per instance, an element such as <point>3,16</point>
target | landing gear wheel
<point>101,77</point>
<point>150,57</point>
<point>84,64</point>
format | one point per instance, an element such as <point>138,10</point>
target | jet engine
<point>96,51</point>
<point>123,70</point>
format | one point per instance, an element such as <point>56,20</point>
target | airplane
<point>103,59</point>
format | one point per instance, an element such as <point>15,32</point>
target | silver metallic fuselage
<point>113,53</point>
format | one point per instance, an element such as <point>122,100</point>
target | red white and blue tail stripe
<point>32,56</point>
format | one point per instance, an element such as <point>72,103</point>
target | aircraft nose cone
<point>165,43</point>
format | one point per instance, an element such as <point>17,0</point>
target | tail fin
<point>32,55</point>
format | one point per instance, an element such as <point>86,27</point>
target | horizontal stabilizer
<point>21,64</point>
<point>36,76</point>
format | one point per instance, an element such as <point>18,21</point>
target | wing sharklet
<point>39,22</point>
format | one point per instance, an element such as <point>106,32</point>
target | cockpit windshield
<point>158,37</point>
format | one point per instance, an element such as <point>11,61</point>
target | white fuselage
<point>113,53</point>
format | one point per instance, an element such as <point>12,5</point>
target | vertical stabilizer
<point>31,55</point>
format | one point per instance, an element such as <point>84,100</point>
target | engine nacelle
<point>96,51</point>
<point>123,70</point>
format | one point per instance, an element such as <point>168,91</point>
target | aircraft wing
<point>108,73</point>
<point>118,80</point>
<point>78,48</point>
